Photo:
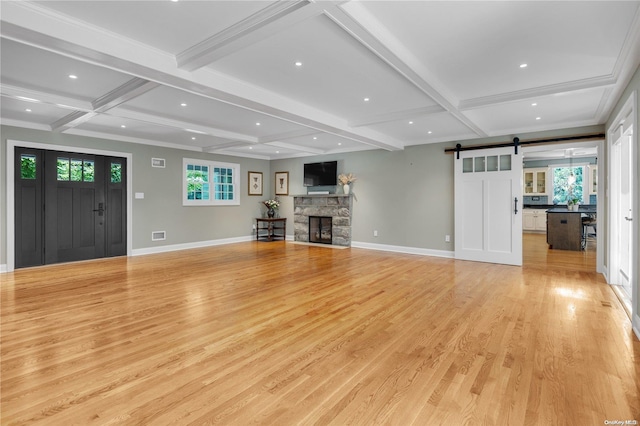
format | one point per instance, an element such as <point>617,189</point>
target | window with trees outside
<point>208,183</point>
<point>568,184</point>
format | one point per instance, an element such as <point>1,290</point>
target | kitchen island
<point>564,227</point>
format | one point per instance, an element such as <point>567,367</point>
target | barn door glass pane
<point>479,164</point>
<point>492,163</point>
<point>467,165</point>
<point>505,162</point>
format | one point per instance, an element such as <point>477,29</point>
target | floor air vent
<point>158,235</point>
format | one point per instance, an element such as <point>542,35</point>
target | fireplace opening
<point>320,229</point>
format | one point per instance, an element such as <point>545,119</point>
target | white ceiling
<point>432,71</point>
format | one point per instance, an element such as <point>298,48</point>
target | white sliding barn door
<point>488,206</point>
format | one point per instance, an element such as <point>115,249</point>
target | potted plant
<point>272,205</point>
<point>572,204</point>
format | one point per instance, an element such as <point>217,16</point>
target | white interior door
<point>488,206</point>
<point>622,197</point>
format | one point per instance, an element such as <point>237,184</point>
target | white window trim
<point>211,201</point>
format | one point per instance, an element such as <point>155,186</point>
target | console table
<point>271,228</point>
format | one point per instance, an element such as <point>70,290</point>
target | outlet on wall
<point>447,238</point>
<point>375,233</point>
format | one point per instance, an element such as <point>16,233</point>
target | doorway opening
<point>569,174</point>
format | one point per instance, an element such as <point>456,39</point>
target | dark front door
<point>79,213</point>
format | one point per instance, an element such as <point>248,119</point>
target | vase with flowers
<point>346,180</point>
<point>271,205</point>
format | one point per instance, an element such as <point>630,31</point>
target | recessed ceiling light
<point>411,122</point>
<point>123,126</point>
<point>339,143</point>
<point>73,76</point>
<point>315,138</point>
<point>538,118</point>
<point>367,99</point>
<point>523,65</point>
<point>429,132</point>
<point>28,110</point>
<point>258,123</point>
<point>183,104</point>
<point>193,138</point>
<point>534,104</point>
<point>250,147</point>
<point>277,152</point>
<point>298,64</point>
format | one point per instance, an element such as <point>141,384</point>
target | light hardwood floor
<point>284,334</point>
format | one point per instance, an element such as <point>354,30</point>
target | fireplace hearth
<point>320,229</point>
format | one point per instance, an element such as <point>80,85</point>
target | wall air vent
<point>158,162</point>
<point>158,235</point>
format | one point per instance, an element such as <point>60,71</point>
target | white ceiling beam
<point>256,27</point>
<point>396,116</point>
<point>288,135</point>
<point>23,94</point>
<point>37,26</point>
<point>537,92</point>
<point>130,90</point>
<point>298,148</point>
<point>367,30</point>
<point>123,112</point>
<point>74,119</point>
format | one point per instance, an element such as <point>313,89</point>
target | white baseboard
<point>404,249</point>
<point>187,246</point>
<point>635,325</point>
<point>3,267</point>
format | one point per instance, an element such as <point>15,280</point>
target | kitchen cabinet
<point>535,181</point>
<point>534,220</point>
<point>593,179</point>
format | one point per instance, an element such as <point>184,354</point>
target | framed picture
<point>255,183</point>
<point>282,183</point>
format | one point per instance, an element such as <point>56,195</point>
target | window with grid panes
<point>208,183</point>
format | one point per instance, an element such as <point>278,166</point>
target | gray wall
<point>407,196</point>
<point>161,209</point>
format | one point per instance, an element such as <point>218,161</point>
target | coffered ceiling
<point>281,79</point>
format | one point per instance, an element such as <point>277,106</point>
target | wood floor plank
<point>285,334</point>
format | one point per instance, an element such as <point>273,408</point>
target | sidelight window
<point>27,166</point>
<point>116,173</point>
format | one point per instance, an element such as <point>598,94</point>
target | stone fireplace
<point>329,208</point>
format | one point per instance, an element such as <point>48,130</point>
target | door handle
<point>628,218</point>
<point>100,209</point>
<point>515,205</point>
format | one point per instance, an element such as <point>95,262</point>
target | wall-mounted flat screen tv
<point>320,174</point>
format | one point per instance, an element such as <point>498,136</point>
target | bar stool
<point>589,220</point>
